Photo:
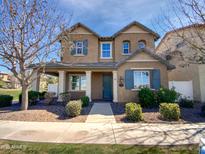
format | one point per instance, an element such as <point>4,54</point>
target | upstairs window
<point>141,44</point>
<point>106,50</point>
<point>126,47</point>
<point>79,47</point>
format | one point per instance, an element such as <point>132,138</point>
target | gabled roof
<point>84,26</point>
<point>152,54</point>
<point>180,29</point>
<point>139,25</point>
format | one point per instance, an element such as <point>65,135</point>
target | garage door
<point>185,88</point>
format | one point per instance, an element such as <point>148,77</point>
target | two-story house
<point>189,77</point>
<point>109,68</point>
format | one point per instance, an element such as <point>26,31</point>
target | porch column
<point>115,87</point>
<point>61,83</point>
<point>88,84</point>
<point>35,81</point>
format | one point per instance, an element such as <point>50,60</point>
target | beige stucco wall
<point>133,34</point>
<point>92,55</point>
<point>202,81</point>
<point>133,38</point>
<point>125,95</point>
<point>187,73</point>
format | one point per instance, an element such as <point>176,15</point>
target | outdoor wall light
<point>121,81</point>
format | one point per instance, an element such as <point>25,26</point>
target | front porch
<point>98,85</point>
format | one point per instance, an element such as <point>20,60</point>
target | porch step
<point>101,113</point>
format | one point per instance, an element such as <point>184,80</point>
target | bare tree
<point>28,35</point>
<point>189,14</point>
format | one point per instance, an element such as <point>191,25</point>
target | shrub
<point>169,111</point>
<point>167,95</point>
<point>147,98</point>
<point>33,97</point>
<point>49,98</point>
<point>133,111</point>
<point>203,110</point>
<point>186,103</point>
<point>5,100</point>
<point>65,97</point>
<point>73,108</point>
<point>42,95</point>
<point>85,101</point>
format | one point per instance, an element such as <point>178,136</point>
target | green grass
<point>28,147</point>
<point>13,92</point>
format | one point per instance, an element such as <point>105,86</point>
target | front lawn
<point>27,147</point>
<point>13,92</point>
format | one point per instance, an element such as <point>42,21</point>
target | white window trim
<point>125,54</point>
<point>149,82</point>
<point>70,82</point>
<point>101,50</point>
<point>76,49</point>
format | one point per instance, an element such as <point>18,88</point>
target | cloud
<point>108,16</point>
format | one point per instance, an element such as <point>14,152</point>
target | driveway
<point>102,133</point>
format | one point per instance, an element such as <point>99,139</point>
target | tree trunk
<point>24,101</point>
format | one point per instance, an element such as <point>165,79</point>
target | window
<point>106,50</point>
<point>126,47</point>
<point>79,47</point>
<point>141,44</point>
<point>77,82</point>
<point>141,79</point>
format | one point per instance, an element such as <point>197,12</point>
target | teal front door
<point>107,87</point>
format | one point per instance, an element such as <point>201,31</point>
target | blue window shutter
<point>85,47</point>
<point>73,50</point>
<point>129,79</point>
<point>155,79</point>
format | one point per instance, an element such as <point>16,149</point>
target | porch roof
<point>107,65</point>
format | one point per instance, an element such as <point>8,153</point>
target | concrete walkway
<point>101,113</point>
<point>100,133</point>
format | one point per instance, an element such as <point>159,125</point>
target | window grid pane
<point>126,47</point>
<point>106,50</point>
<point>79,47</point>
<point>78,82</point>
<point>141,79</point>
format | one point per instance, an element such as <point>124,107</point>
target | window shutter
<point>155,79</point>
<point>129,79</point>
<point>73,49</point>
<point>85,47</point>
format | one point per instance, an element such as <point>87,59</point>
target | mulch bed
<point>42,113</point>
<point>188,115</point>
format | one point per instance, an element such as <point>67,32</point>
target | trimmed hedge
<point>5,100</point>
<point>65,96</point>
<point>33,97</point>
<point>85,101</point>
<point>73,108</point>
<point>42,95</point>
<point>147,98</point>
<point>133,111</point>
<point>167,95</point>
<point>169,111</point>
<point>186,103</point>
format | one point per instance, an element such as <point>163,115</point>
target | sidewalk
<point>101,113</point>
<point>101,133</point>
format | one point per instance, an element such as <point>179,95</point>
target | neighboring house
<point>108,68</point>
<point>11,81</point>
<point>187,78</point>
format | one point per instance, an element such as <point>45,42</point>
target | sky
<point>108,16</point>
